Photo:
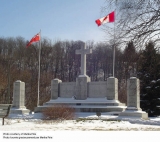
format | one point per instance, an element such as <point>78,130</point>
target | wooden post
<point>3,121</point>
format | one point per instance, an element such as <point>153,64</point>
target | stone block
<point>133,93</point>
<point>19,111</point>
<point>112,88</point>
<point>134,114</point>
<point>55,88</point>
<point>133,100</point>
<point>19,94</point>
<point>81,87</point>
<point>97,89</point>
<point>18,106</point>
<point>67,89</point>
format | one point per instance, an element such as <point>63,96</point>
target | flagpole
<point>114,46</point>
<point>114,51</point>
<point>39,67</point>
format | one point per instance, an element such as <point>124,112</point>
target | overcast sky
<point>57,19</point>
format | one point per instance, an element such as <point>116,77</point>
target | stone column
<point>81,87</point>
<point>133,100</point>
<point>55,88</point>
<point>133,93</point>
<point>19,94</point>
<point>18,106</point>
<point>112,88</point>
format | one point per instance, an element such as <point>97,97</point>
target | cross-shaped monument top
<point>83,51</point>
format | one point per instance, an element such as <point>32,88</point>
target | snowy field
<point>87,122</point>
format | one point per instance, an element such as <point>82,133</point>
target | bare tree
<point>135,20</point>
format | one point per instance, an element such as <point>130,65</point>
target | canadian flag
<point>34,39</point>
<point>107,19</point>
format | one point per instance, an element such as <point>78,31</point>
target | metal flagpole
<point>114,46</point>
<point>39,67</point>
<point>114,50</point>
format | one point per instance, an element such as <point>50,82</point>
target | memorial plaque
<point>97,89</point>
<point>133,99</point>
<point>67,89</point>
<point>81,87</point>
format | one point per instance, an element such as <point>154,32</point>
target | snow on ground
<point>96,129</point>
<point>73,125</point>
<point>86,122</point>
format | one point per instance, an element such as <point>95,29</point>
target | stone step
<point>85,100</point>
<point>99,109</point>
<point>88,108</point>
<point>87,103</point>
<point>93,106</point>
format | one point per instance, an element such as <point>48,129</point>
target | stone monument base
<point>87,105</point>
<point>19,111</point>
<point>18,106</point>
<point>134,112</point>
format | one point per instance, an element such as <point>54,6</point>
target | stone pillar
<point>18,106</point>
<point>55,88</point>
<point>133,93</point>
<point>55,91</point>
<point>133,100</point>
<point>19,94</point>
<point>112,88</point>
<point>81,87</point>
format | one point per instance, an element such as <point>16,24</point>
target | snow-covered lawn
<point>83,125</point>
<point>86,122</point>
<point>83,122</point>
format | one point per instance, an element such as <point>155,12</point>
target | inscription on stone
<point>67,89</point>
<point>112,88</point>
<point>133,93</point>
<point>97,89</point>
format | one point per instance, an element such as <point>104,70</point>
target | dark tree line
<point>58,60</point>
<point>149,74</point>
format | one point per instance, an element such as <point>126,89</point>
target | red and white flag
<point>107,19</point>
<point>34,39</point>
